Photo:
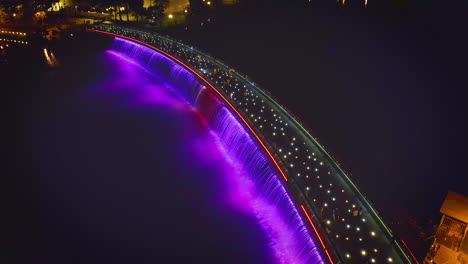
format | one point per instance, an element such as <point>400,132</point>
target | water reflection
<point>50,57</point>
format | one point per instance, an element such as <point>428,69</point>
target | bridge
<point>343,222</point>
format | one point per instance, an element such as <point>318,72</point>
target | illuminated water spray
<point>253,186</point>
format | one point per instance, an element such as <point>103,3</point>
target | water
<point>253,184</point>
<point>116,164</point>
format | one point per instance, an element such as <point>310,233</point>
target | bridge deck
<point>342,218</point>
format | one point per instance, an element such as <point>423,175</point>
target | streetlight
<point>170,16</point>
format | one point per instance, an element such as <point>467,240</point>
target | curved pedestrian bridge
<point>325,210</point>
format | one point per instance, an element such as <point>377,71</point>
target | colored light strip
<point>212,88</point>
<point>317,233</point>
<point>409,250</point>
<point>237,113</point>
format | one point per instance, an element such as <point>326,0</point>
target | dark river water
<point>385,94</point>
<point>110,166</point>
<point>380,87</point>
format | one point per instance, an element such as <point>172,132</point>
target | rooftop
<point>456,206</point>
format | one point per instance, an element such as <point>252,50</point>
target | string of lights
<point>352,230</point>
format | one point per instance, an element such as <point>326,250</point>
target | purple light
<point>132,80</point>
<point>288,245</point>
<point>252,185</point>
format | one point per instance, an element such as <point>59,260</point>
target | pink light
<point>409,250</point>
<point>244,121</point>
<point>316,232</point>
<point>238,114</point>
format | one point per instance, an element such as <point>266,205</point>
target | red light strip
<point>316,232</point>
<point>409,250</point>
<point>212,88</point>
<point>237,113</point>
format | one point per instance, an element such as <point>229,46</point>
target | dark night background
<point>383,88</point>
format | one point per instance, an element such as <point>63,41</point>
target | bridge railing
<point>352,228</point>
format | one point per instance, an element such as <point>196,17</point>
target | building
<point>61,5</point>
<point>450,244</point>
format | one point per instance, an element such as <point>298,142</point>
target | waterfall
<point>255,186</point>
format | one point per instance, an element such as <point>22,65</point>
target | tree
<point>3,15</point>
<point>42,5</point>
<point>115,5</point>
<point>156,10</point>
<point>136,6</point>
<point>10,7</point>
<point>119,5</point>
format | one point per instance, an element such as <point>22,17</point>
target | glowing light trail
<point>409,250</point>
<point>238,114</point>
<point>316,232</point>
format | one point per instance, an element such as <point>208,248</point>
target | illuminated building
<point>61,5</point>
<point>450,245</point>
